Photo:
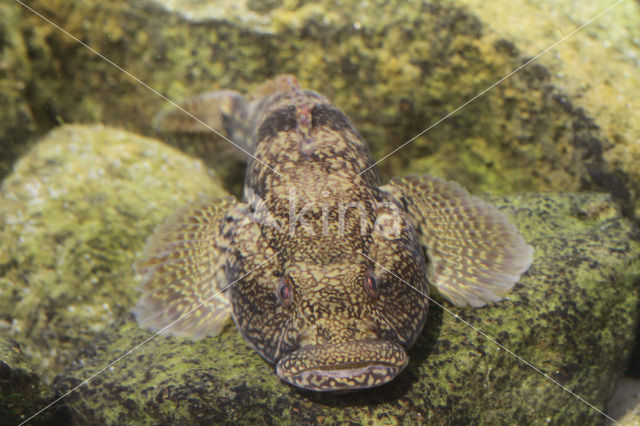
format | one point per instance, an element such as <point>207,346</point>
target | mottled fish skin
<point>319,154</point>
<point>332,308</point>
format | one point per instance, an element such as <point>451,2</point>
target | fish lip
<point>343,366</point>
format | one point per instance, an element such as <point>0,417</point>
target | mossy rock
<point>596,66</point>
<point>73,214</point>
<point>395,69</point>
<point>572,316</point>
<point>625,404</point>
<point>632,418</point>
<point>22,391</point>
<point>17,123</point>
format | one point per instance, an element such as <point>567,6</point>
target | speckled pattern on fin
<point>183,264</point>
<point>475,254</point>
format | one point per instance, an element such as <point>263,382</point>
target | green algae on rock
<point>16,120</point>
<point>625,404</point>
<point>73,213</point>
<point>393,68</point>
<point>597,67</point>
<point>22,391</point>
<point>573,316</point>
<point>632,418</point>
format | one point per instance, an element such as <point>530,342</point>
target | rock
<point>632,418</point>
<point>596,67</point>
<point>17,122</point>
<point>73,214</point>
<point>625,404</point>
<point>396,69</point>
<point>572,316</point>
<point>22,391</point>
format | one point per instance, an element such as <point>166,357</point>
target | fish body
<point>325,271</point>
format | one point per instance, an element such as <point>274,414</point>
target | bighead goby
<point>325,270</point>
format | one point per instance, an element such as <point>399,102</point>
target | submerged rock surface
<point>79,206</point>
<point>562,123</point>
<point>73,214</point>
<point>17,122</point>
<point>395,69</point>
<point>632,418</point>
<point>572,316</point>
<point>22,391</point>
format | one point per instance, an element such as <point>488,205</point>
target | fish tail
<point>224,111</point>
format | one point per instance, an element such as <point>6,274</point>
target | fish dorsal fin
<point>183,266</point>
<point>475,254</point>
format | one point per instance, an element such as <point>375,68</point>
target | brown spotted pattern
<point>318,255</point>
<point>319,155</point>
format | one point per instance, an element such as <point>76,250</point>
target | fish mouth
<point>343,366</point>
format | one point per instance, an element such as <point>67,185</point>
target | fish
<point>326,272</point>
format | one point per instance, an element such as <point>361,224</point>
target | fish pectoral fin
<point>183,272</point>
<point>475,255</point>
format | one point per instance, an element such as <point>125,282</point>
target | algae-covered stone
<point>572,316</point>
<point>73,213</point>
<point>16,120</point>
<point>625,404</point>
<point>597,66</point>
<point>632,418</point>
<point>394,68</point>
<point>22,391</point>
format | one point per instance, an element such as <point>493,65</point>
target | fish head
<point>341,320</point>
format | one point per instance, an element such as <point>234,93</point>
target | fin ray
<point>182,274</point>
<point>476,255</point>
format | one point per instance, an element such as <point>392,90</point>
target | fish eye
<point>371,285</point>
<point>283,292</point>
